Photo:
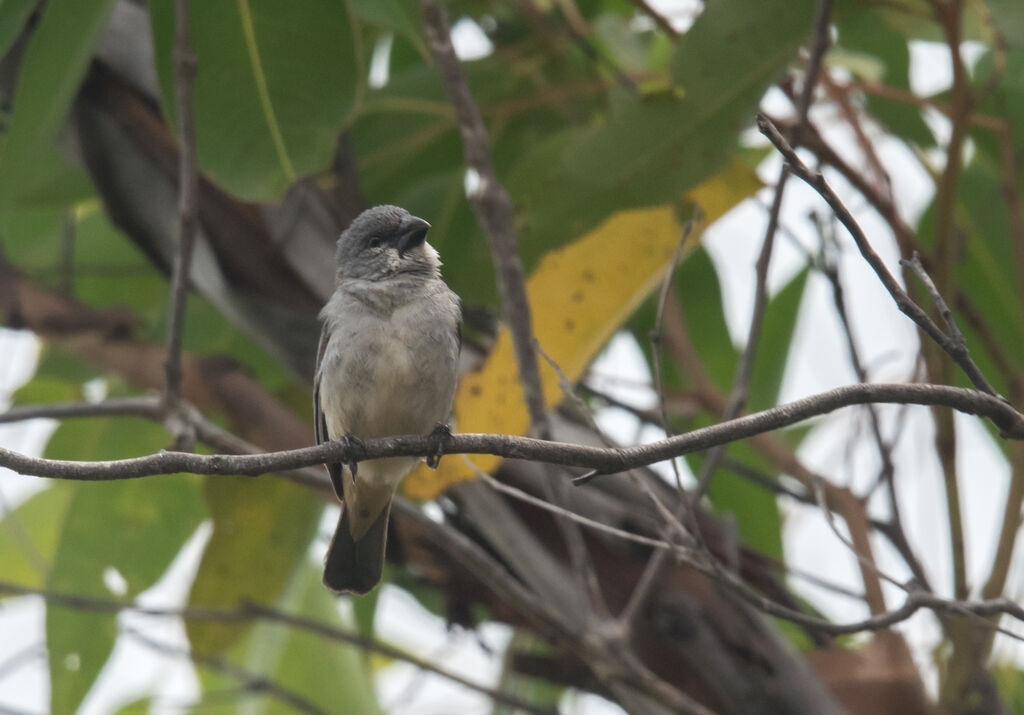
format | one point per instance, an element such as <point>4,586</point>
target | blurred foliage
<point>604,139</point>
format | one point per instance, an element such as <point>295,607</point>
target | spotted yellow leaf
<point>580,295</point>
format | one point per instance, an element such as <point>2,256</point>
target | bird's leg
<point>438,439</point>
<point>354,451</point>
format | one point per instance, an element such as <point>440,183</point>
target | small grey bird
<point>387,365</point>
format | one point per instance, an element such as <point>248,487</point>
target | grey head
<point>384,242</point>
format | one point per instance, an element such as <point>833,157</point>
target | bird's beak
<point>411,233</point>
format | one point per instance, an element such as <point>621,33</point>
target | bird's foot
<point>354,451</point>
<point>438,440</point>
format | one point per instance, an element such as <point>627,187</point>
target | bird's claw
<point>438,440</point>
<point>354,451</point>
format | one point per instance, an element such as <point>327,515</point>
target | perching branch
<point>607,460</point>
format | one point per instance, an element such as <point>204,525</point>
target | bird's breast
<point>387,375</point>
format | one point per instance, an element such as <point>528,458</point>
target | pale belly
<point>381,379</point>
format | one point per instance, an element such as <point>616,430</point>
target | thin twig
<point>253,683</point>
<point>667,285</point>
<point>248,612</point>
<point>940,304</point>
<point>830,269</point>
<point>148,407</point>
<point>188,182</point>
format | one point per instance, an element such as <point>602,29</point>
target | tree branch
<point>188,183</point>
<point>607,460</point>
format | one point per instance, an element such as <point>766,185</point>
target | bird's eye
<point>374,241</point>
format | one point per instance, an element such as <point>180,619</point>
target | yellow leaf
<point>580,295</point>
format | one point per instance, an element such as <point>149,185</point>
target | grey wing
<point>320,423</point>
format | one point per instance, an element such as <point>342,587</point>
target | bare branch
<point>608,460</point>
<point>248,612</point>
<point>940,304</point>
<point>188,182</point>
<point>148,407</point>
<point>251,682</point>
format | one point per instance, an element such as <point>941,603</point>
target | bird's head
<point>386,241</point>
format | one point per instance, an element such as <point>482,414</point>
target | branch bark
<point>607,460</point>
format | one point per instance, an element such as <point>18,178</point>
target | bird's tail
<point>357,565</point>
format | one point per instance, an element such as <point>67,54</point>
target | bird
<point>387,364</point>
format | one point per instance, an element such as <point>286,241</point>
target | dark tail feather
<point>356,565</point>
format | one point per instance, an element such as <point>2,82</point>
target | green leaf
<point>29,536</point>
<point>1010,681</point>
<point>262,529</point>
<point>57,366</point>
<point>276,83</point>
<point>868,33</point>
<point>334,676</point>
<point>650,150</point>
<point>133,526</point>
<point>55,61</point>
<point>13,14</point>
<point>780,318</point>
<point>365,611</point>
<point>41,390</point>
<point>399,16</point>
<point>139,706</point>
<point>1008,19</point>
<point>538,691</point>
<point>30,238</point>
<point>987,272</point>
<point>110,271</point>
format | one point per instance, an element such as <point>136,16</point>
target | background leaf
<point>261,533</point>
<point>276,83</point>
<point>55,61</point>
<point>135,527</point>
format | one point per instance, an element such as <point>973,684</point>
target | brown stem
<point>188,182</point>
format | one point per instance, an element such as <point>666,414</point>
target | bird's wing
<point>334,469</point>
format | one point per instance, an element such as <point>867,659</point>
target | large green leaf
<point>1008,19</point>
<point>276,83</point>
<point>399,16</point>
<point>135,527</point>
<point>13,14</point>
<point>29,536</point>
<point>651,149</point>
<point>334,676</point>
<point>55,61</point>
<point>780,318</point>
<point>262,529</point>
